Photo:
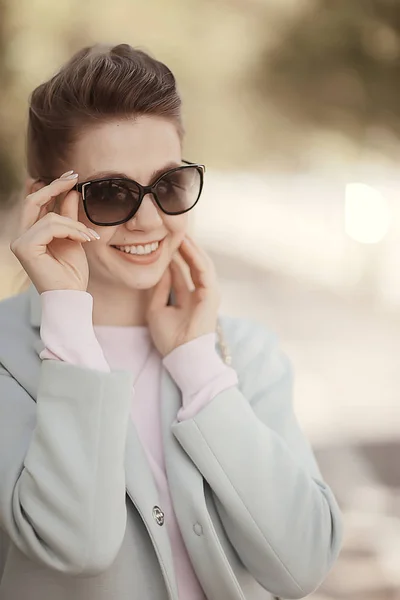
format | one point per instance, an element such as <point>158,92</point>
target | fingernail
<point>94,233</point>
<point>73,176</point>
<point>65,174</point>
<point>85,236</point>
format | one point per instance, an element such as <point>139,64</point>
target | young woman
<point>148,448</point>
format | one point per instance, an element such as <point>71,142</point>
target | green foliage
<point>8,167</point>
<point>337,64</point>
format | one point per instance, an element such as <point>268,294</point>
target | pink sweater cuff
<point>67,329</point>
<point>200,374</point>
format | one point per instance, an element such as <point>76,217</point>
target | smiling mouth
<point>140,253</point>
<point>139,249</point>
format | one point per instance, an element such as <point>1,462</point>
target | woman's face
<point>138,149</point>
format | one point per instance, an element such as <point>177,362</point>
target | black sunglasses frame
<point>143,191</point>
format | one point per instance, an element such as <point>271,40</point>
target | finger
<point>204,254</point>
<point>38,200</point>
<point>200,269</point>
<point>178,258</point>
<point>69,205</point>
<point>53,222</point>
<point>190,239</point>
<point>42,237</point>
<point>46,209</point>
<point>179,283</point>
<point>60,231</point>
<point>51,218</point>
<point>161,292</point>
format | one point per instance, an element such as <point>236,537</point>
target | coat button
<point>197,528</point>
<point>158,516</point>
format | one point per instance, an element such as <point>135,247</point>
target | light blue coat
<point>78,501</point>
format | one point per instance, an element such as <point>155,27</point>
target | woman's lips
<point>141,259</point>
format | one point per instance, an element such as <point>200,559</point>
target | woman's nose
<point>148,216</point>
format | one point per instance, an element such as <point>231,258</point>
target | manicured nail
<point>65,174</point>
<point>85,236</point>
<point>73,176</point>
<point>94,233</point>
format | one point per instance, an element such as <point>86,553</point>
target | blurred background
<point>294,107</point>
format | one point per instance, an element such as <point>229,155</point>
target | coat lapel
<point>185,481</point>
<point>142,491</point>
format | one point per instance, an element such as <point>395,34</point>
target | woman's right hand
<point>49,246</point>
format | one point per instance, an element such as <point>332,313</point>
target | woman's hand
<point>50,245</point>
<point>195,311</point>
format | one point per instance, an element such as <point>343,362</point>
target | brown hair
<point>97,84</point>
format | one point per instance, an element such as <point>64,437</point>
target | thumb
<point>161,292</point>
<point>69,205</point>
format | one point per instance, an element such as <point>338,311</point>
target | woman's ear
<point>32,185</point>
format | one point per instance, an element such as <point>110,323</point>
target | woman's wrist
<point>67,328</point>
<point>195,364</point>
<point>66,312</point>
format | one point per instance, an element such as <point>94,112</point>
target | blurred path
<point>347,397</point>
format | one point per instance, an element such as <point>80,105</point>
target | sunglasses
<point>114,200</point>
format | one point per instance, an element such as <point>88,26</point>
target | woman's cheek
<point>178,224</point>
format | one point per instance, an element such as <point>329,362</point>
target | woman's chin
<point>140,279</point>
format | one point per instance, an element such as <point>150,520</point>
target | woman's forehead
<point>138,148</point>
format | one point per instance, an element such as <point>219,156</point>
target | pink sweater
<point>68,334</point>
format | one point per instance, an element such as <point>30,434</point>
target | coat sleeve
<point>62,477</point>
<point>278,513</point>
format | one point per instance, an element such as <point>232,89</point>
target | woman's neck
<point>118,308</point>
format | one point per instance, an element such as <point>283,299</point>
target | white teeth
<point>140,249</point>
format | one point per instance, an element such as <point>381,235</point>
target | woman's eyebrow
<point>120,175</point>
<point>167,167</point>
<point>105,174</point>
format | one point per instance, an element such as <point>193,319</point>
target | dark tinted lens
<point>179,190</point>
<point>111,201</point>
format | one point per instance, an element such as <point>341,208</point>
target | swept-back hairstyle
<point>97,84</point>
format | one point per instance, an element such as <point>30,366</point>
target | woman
<point>135,462</point>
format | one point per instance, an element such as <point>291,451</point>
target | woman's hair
<point>98,84</point>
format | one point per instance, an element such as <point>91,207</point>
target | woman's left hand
<point>195,311</point>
